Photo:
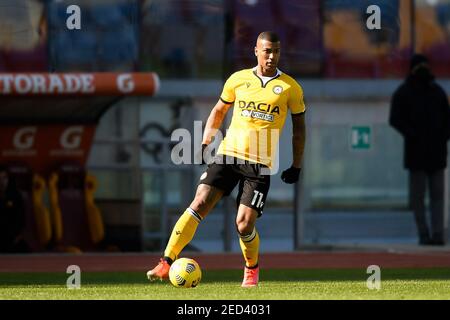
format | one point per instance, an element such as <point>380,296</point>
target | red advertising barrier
<point>43,147</point>
<point>80,84</point>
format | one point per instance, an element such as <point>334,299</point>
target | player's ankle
<point>168,260</point>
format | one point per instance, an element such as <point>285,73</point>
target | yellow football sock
<point>250,248</point>
<point>182,233</point>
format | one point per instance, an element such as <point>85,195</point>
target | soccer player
<point>261,97</point>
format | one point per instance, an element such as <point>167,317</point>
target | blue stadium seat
<point>108,17</point>
<point>57,16</point>
<point>71,48</point>
<point>120,46</point>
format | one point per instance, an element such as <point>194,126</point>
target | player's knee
<point>244,227</point>
<point>201,206</point>
<point>205,199</point>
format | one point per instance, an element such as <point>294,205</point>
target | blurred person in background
<point>420,113</point>
<point>12,216</point>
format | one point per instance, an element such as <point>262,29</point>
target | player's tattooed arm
<point>298,139</point>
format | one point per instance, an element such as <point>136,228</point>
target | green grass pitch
<point>275,284</point>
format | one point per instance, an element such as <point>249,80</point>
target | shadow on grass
<point>214,276</point>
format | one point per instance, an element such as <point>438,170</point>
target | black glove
<point>291,175</point>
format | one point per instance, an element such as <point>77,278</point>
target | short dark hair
<point>418,59</point>
<point>269,36</point>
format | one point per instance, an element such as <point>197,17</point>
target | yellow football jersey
<point>259,112</point>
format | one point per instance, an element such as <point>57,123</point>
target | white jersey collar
<point>267,79</point>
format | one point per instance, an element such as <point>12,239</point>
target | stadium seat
<point>83,48</point>
<point>95,220</point>
<point>57,16</point>
<point>120,46</point>
<point>32,187</point>
<point>107,17</point>
<point>77,221</point>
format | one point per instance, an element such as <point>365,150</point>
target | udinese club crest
<point>277,89</point>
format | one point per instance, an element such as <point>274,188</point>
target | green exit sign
<point>360,137</point>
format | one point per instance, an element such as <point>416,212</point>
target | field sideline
<point>141,262</point>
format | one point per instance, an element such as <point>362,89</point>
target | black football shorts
<point>253,186</point>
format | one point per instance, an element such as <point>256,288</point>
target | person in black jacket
<point>12,216</point>
<point>420,112</point>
